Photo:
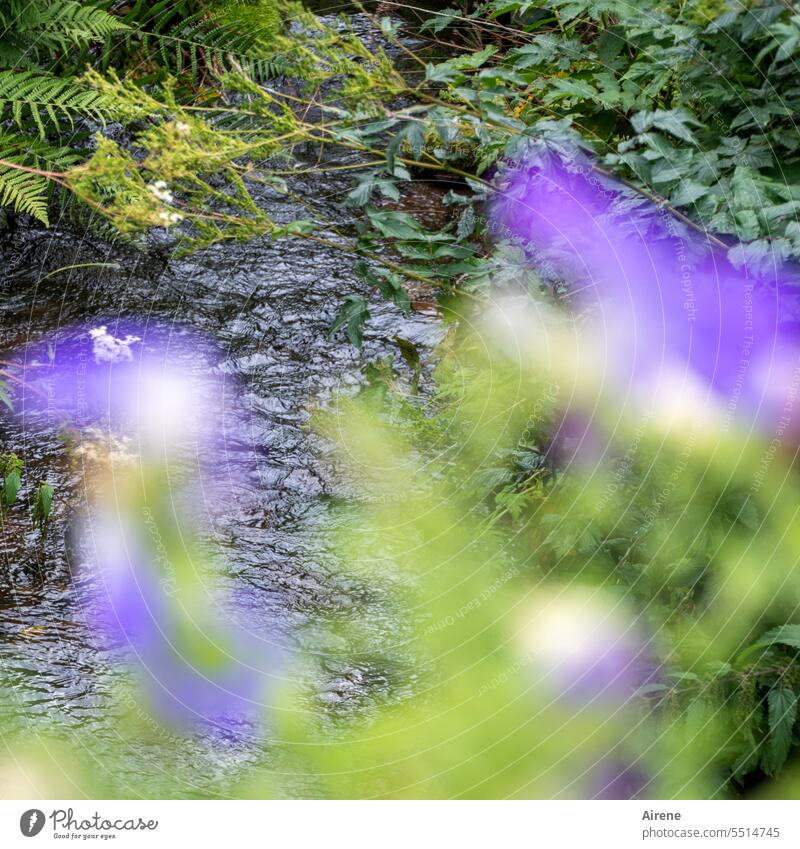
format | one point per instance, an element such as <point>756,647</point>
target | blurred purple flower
<point>675,315</point>
<point>152,388</point>
<point>195,665</point>
<point>584,651</point>
<point>167,438</point>
<point>615,778</point>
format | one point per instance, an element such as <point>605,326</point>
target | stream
<point>269,307</point>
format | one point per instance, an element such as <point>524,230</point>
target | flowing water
<point>269,306</point>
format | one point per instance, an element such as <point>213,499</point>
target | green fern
<point>25,192</point>
<point>192,38</point>
<point>35,30</point>
<point>43,44</point>
<point>47,100</point>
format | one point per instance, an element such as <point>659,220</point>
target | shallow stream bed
<point>269,306</point>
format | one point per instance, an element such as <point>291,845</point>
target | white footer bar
<point>400,825</point>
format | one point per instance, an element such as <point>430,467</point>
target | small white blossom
<point>160,190</point>
<point>108,349</point>
<point>170,217</point>
<point>182,128</point>
<point>107,449</point>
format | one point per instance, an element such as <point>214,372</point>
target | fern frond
<point>40,97</point>
<point>51,29</point>
<point>25,191</point>
<point>208,38</point>
<point>22,190</point>
<point>82,22</point>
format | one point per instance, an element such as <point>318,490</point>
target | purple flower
<point>584,651</point>
<point>143,595</point>
<point>164,440</point>
<point>616,778</point>
<point>672,316</point>
<point>149,390</point>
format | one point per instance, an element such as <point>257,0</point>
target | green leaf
<point>781,713</point>
<point>610,43</point>
<point>466,223</point>
<point>408,351</point>
<point>474,60</point>
<point>43,504</point>
<point>747,224</point>
<point>5,396</point>
<point>389,27</point>
<point>442,73</point>
<point>676,122</point>
<point>396,225</point>
<point>294,228</point>
<point>786,635</point>
<point>576,88</point>
<point>414,134</point>
<point>442,20</point>
<point>387,282</point>
<point>11,485</point>
<point>688,192</point>
<point>353,314</point>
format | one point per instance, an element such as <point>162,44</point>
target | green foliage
<point>682,539</point>
<point>11,467</point>
<point>44,43</point>
<point>654,90</point>
<point>41,32</point>
<point>782,713</point>
<point>33,98</point>
<point>11,474</point>
<point>201,40</point>
<point>43,505</point>
<point>659,94</point>
<point>352,315</point>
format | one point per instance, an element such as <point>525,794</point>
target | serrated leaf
<point>688,192</point>
<point>11,485</point>
<point>352,315</point>
<point>442,73</point>
<point>396,225</point>
<point>610,43</point>
<point>786,635</point>
<point>781,714</point>
<point>414,134</point>
<point>466,223</point>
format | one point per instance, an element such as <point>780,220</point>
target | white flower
<point>160,190</point>
<point>182,128</point>
<point>108,349</point>
<point>170,218</point>
<point>98,446</point>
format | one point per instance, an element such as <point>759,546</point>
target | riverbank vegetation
<point>587,621</point>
